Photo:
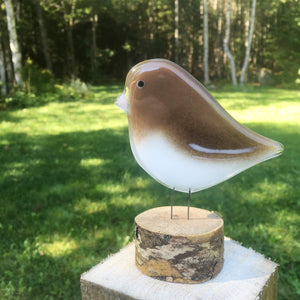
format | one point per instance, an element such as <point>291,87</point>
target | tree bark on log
<point>179,250</point>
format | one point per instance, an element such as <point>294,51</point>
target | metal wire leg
<point>172,200</point>
<point>189,200</point>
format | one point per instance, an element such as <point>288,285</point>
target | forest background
<point>97,41</point>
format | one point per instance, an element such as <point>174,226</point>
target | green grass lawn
<point>70,189</point>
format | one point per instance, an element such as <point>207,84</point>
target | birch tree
<point>219,30</point>
<point>205,39</point>
<point>226,44</point>
<point>248,44</point>
<point>3,78</point>
<point>13,41</point>
<point>43,33</point>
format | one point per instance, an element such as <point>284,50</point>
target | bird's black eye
<point>140,84</point>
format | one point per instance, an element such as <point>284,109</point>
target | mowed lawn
<point>70,189</point>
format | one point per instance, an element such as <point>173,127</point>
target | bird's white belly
<point>179,170</point>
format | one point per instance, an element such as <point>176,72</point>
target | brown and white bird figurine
<point>179,133</point>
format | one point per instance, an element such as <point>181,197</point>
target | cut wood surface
<point>246,275</point>
<point>178,249</point>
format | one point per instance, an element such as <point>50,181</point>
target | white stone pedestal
<point>246,275</point>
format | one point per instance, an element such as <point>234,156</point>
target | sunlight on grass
<point>258,111</point>
<point>268,191</point>
<point>110,187</point>
<point>59,118</point>
<point>92,162</point>
<point>138,182</point>
<point>14,169</point>
<point>59,248</point>
<point>89,206</point>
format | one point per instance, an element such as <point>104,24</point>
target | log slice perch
<point>179,250</point>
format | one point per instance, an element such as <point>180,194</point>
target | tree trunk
<point>176,31</point>
<point>17,10</point>
<point>247,23</point>
<point>226,42</point>
<point>3,78</point>
<point>94,45</point>
<point>248,48</point>
<point>44,38</point>
<point>219,30</point>
<point>205,38</point>
<point>150,23</point>
<point>69,24</point>
<point>2,72</point>
<point>13,41</point>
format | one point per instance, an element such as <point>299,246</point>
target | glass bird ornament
<point>180,135</point>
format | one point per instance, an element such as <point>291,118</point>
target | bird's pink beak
<point>122,102</point>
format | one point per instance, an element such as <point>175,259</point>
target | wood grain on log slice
<point>179,250</point>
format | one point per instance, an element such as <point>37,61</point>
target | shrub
<point>39,87</point>
<point>36,80</point>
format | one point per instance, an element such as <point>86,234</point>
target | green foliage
<point>70,189</point>
<point>74,89</point>
<point>40,87</point>
<point>36,80</point>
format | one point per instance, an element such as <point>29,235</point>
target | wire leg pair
<point>172,202</point>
